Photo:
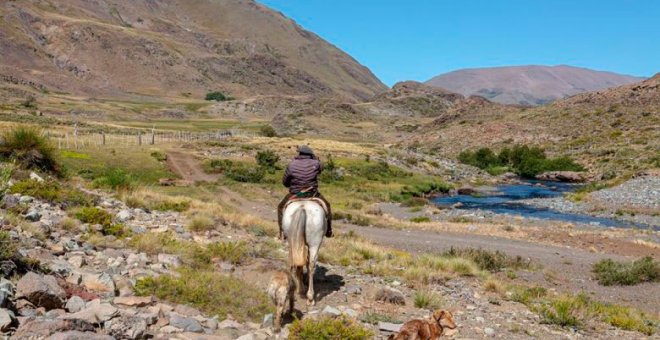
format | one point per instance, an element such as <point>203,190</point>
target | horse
<point>304,224</point>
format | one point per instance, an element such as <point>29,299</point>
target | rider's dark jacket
<point>302,173</point>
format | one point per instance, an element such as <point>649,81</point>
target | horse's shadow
<point>325,284</point>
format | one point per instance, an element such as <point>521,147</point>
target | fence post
<point>139,137</point>
<point>153,135</point>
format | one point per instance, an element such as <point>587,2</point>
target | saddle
<point>307,198</point>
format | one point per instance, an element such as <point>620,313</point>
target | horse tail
<point>297,244</point>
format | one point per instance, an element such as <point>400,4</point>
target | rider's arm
<point>286,179</point>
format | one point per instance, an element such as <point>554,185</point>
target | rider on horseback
<point>301,177</point>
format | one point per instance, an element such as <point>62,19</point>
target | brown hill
<point>528,85</point>
<point>170,48</point>
<point>614,132</point>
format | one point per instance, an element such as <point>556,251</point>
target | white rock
<point>34,176</point>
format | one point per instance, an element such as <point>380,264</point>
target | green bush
<point>30,149</point>
<point>415,202</point>
<point>427,299</point>
<point>159,155</point>
<point>245,173</point>
<point>218,165</point>
<point>420,219</point>
<point>524,160</point>
<point>217,96</point>
<point>116,179</point>
<point>267,159</point>
<point>212,293</point>
<point>328,329</point>
<point>268,131</point>
<point>53,192</point>
<point>609,272</point>
<point>94,215</point>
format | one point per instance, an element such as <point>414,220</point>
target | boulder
<point>76,335</point>
<point>389,327</point>
<point>171,261</point>
<point>41,290</point>
<point>40,328</point>
<point>331,311</point>
<point>95,312</point>
<point>99,282</point>
<point>75,304</point>
<point>561,176</point>
<point>390,295</point>
<point>127,327</point>
<point>33,215</point>
<point>185,324</point>
<point>35,177</point>
<point>133,301</point>
<point>124,216</point>
<point>6,293</point>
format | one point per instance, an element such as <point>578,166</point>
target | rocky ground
<point>87,291</point>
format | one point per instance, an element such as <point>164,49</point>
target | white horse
<point>304,224</point>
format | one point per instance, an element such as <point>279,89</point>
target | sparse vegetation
<point>492,261</point>
<point>201,223</point>
<point>217,96</point>
<point>609,272</point>
<point>267,159</point>
<point>523,160</point>
<point>94,216</point>
<point>159,155</point>
<point>30,149</point>
<point>420,219</point>
<point>328,329</point>
<point>374,318</point>
<point>53,192</point>
<point>212,293</point>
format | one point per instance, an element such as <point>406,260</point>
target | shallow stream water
<point>504,200</point>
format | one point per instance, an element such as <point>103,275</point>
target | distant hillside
<point>613,132</point>
<point>170,48</point>
<point>528,85</point>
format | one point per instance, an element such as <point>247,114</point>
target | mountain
<point>170,48</point>
<point>528,85</point>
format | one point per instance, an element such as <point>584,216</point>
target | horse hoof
<point>311,303</point>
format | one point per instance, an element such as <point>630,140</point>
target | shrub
<point>234,252</point>
<point>218,165</point>
<point>7,246</point>
<point>420,219</point>
<point>427,299</point>
<point>524,160</point>
<point>30,149</point>
<point>93,215</point>
<point>609,272</point>
<point>217,96</point>
<point>374,318</point>
<point>268,131</point>
<point>328,329</point>
<point>116,179</point>
<point>159,155</point>
<point>245,173</point>
<point>267,159</point>
<point>212,293</point>
<point>201,223</point>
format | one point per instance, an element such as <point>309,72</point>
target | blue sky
<point>418,39</point>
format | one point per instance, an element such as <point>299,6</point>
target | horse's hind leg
<point>299,280</point>
<point>311,268</point>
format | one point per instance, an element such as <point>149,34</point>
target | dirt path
<point>565,269</point>
<point>185,165</point>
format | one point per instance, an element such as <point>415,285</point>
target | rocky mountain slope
<point>528,85</point>
<point>170,48</point>
<point>612,132</point>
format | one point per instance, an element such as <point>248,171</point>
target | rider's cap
<point>305,149</point>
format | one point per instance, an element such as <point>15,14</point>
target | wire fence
<point>82,139</point>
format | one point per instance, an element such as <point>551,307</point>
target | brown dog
<point>431,329</point>
<point>281,290</point>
